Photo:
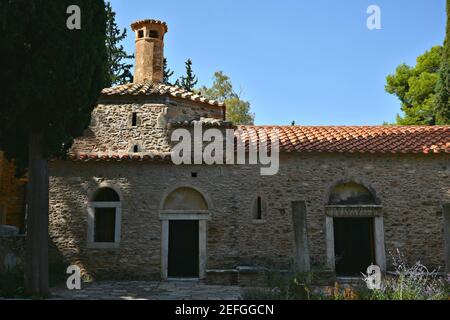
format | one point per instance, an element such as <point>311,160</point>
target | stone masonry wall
<point>411,190</point>
<point>111,128</point>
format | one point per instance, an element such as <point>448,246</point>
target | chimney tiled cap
<point>138,24</point>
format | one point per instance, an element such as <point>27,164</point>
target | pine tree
<point>119,71</point>
<point>442,105</point>
<point>415,87</point>
<point>189,81</point>
<point>51,79</point>
<point>167,73</point>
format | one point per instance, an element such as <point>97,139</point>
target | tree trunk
<point>36,266</point>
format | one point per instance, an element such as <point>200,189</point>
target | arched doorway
<point>183,215</point>
<point>355,237</point>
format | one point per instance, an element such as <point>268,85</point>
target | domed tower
<point>149,50</point>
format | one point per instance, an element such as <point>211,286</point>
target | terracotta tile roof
<point>361,139</point>
<point>326,139</point>
<point>137,24</point>
<point>153,88</point>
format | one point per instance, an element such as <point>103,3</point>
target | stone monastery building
<point>344,196</point>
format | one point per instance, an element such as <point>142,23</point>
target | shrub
<point>285,287</point>
<point>341,293</point>
<point>414,282</point>
<point>12,284</point>
<point>260,294</point>
<point>57,273</point>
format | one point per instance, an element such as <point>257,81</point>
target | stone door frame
<point>166,217</point>
<point>356,211</point>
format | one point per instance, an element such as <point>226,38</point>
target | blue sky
<point>314,61</point>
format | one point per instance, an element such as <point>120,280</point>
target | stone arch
<point>351,192</point>
<point>105,185</point>
<point>105,194</point>
<point>185,197</point>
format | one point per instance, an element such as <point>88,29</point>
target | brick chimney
<point>149,50</point>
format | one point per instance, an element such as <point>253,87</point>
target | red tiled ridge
<point>360,139</point>
<point>154,88</point>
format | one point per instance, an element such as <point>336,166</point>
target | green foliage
<point>12,284</point>
<point>167,73</point>
<point>57,273</point>
<point>285,287</point>
<point>238,110</point>
<point>338,292</point>
<point>442,102</point>
<point>415,87</point>
<point>51,79</point>
<point>119,72</point>
<point>407,282</point>
<point>51,76</point>
<point>260,294</point>
<point>414,282</point>
<point>222,88</point>
<point>189,81</point>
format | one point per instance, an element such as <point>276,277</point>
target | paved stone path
<point>148,290</point>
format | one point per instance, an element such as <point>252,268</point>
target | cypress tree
<point>167,73</point>
<point>119,71</point>
<point>443,86</point>
<point>189,81</point>
<point>51,79</point>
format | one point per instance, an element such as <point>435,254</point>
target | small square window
<point>153,34</point>
<point>194,174</point>
<point>140,33</point>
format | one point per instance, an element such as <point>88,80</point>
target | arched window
<point>259,208</point>
<point>104,218</point>
<point>351,193</point>
<point>185,199</point>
